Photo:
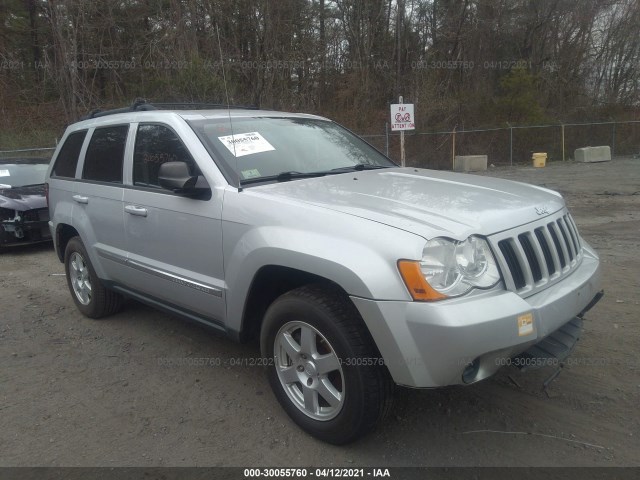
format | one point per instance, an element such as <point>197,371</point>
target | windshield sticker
<point>242,144</point>
<point>253,173</point>
<point>4,173</point>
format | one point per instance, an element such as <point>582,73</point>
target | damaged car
<point>24,214</point>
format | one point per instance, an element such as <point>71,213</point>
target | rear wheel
<point>88,293</point>
<point>323,366</point>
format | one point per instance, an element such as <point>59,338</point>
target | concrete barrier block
<point>593,154</point>
<point>469,163</point>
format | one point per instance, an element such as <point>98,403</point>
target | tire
<point>323,365</point>
<point>88,293</point>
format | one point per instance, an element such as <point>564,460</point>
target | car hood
<point>23,198</point>
<point>426,202</point>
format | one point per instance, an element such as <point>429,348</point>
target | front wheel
<point>88,293</point>
<point>323,365</point>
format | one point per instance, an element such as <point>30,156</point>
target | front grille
<point>538,254</point>
<point>30,216</point>
<point>43,214</point>
<point>36,215</point>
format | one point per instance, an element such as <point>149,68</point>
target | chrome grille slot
<point>544,245</point>
<point>515,267</point>
<point>572,233</point>
<point>560,249</point>
<point>575,230</point>
<point>536,255</point>
<point>567,242</point>
<point>532,258</point>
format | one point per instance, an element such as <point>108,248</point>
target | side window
<point>68,157</point>
<point>105,154</point>
<point>155,145</point>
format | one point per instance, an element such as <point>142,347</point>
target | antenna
<point>226,92</point>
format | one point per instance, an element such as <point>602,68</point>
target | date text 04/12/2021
<point>317,472</point>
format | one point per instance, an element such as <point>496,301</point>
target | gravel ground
<point>77,392</point>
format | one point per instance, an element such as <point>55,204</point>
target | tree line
<point>464,63</point>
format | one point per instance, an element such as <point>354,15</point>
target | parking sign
<point>402,117</point>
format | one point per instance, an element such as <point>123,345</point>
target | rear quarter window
<point>105,154</point>
<point>67,159</point>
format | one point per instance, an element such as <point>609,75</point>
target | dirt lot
<point>78,392</point>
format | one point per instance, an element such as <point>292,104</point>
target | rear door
<point>174,242</point>
<point>61,182</point>
<point>98,212</point>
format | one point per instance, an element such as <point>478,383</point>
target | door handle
<point>135,210</point>
<point>80,199</point>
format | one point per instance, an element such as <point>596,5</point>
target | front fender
<point>361,270</point>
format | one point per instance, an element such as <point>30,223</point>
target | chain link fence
<point>509,145</point>
<point>44,152</point>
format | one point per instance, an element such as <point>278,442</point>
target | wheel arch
<point>64,233</point>
<point>269,283</point>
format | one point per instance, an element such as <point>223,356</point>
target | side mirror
<point>175,176</point>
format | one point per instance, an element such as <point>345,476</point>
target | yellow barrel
<point>539,159</point>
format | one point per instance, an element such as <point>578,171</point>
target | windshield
<point>14,175</point>
<point>264,147</point>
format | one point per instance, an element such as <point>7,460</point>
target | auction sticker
<point>525,324</point>
<point>242,144</point>
<point>4,173</point>
<point>253,173</point>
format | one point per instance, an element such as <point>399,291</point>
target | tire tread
<point>104,302</point>
<point>377,380</point>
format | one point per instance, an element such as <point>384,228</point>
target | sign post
<point>402,119</point>
<point>402,156</point>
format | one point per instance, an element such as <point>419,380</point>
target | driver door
<point>174,242</point>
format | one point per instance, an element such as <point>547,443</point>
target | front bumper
<point>23,232</point>
<point>431,344</point>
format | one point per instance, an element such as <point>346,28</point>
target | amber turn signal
<point>418,287</point>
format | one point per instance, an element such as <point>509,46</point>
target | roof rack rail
<point>141,105</point>
<point>199,106</point>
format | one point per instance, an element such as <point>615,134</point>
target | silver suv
<point>353,273</point>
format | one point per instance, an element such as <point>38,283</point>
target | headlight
<point>451,268</point>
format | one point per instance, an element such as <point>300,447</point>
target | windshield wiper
<point>293,175</point>
<point>282,177</point>
<point>359,167</point>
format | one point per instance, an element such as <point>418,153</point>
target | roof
<point>154,115</point>
<point>191,110</point>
